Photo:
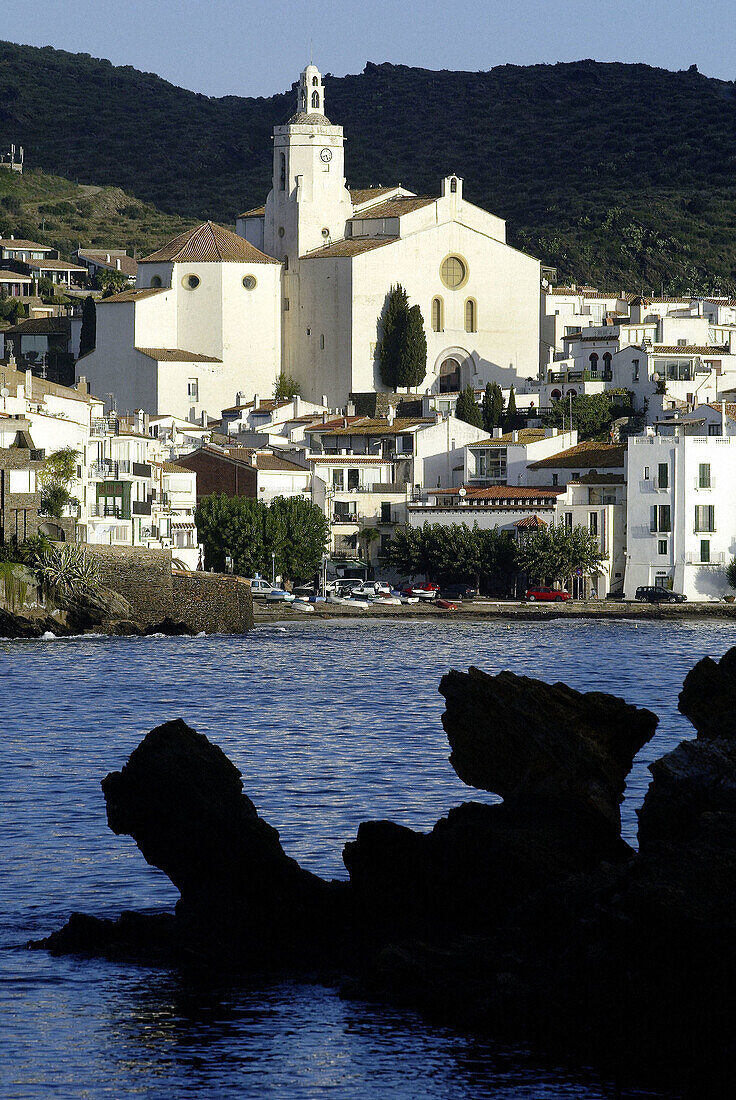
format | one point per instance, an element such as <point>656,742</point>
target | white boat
<point>300,605</point>
<point>338,599</point>
<point>392,601</point>
<point>277,596</point>
<point>408,599</point>
<point>362,604</point>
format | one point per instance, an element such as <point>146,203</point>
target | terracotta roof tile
<point>132,295</point>
<point>256,212</point>
<point>396,207</point>
<point>8,242</point>
<point>370,426</point>
<point>586,455</point>
<point>350,246</point>
<point>176,355</point>
<point>690,349</point>
<point>54,265</point>
<point>530,521</point>
<point>128,266</point>
<point>210,243</point>
<point>360,195</point>
<point>524,436</point>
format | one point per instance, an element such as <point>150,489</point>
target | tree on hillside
<point>492,407</point>
<point>556,552</point>
<point>249,532</point>
<point>285,388</point>
<point>592,414</point>
<point>113,281</point>
<point>511,419</point>
<point>412,359</point>
<point>467,409</point>
<point>58,473</point>
<point>88,335</point>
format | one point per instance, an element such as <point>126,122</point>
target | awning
<point>183,524</point>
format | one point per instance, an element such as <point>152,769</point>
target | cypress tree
<point>88,335</point>
<point>510,419</point>
<point>394,322</point>
<point>412,360</point>
<point>492,406</point>
<point>467,409</point>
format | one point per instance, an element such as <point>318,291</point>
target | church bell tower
<point>309,204</point>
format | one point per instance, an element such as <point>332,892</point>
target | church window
<point>453,185</point>
<point>304,100</point>
<point>453,272</point>
<point>437,318</point>
<point>156,281</point>
<point>286,303</point>
<point>191,282</point>
<point>249,282</point>
<point>315,81</point>
<point>471,315</point>
<point>315,100</point>
<point>281,231</point>
<point>282,172</point>
<point>286,263</point>
<point>322,342</point>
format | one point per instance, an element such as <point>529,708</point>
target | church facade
<point>301,286</point>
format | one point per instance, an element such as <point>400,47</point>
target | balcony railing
<point>337,518</point>
<point>106,511</point>
<point>579,376</point>
<point>141,507</point>
<point>105,426</point>
<point>141,469</point>
<point>700,484</point>
<point>717,557</point>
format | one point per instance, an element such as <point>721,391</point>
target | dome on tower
<point>310,99</point>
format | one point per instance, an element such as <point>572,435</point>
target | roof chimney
<point>390,414</point>
<point>324,417</point>
<point>29,384</point>
<point>107,257</point>
<point>497,433</point>
<point>82,384</point>
<point>324,399</point>
<point>515,436</point>
<point>256,401</point>
<point>117,265</point>
<point>297,405</point>
<point>350,408</point>
<point>240,398</point>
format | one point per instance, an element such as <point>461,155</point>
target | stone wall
<point>142,576</point>
<point>213,602</point>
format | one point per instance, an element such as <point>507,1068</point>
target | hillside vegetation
<point>616,174</point>
<point>66,215</point>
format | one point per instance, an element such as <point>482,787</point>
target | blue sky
<point>258,47</point>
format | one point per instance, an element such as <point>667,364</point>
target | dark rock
<point>527,740</point>
<point>175,628</point>
<point>182,801</point>
<point>122,628</point>
<point>87,611</point>
<point>708,697</point>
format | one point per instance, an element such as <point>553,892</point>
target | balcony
<point>349,519</point>
<point>141,469</point>
<point>141,507</point>
<point>702,487</point>
<point>579,376</point>
<point>105,426</point>
<point>106,511</point>
<point>717,557</point>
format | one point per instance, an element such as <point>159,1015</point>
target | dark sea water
<point>330,723</point>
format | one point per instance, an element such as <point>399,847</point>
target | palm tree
<point>367,536</point>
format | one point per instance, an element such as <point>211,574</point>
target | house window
<point>555,479</point>
<point>344,509</point>
<point>662,546</point>
<point>156,281</point>
<point>646,473</point>
<point>338,481</point>
<point>193,389</point>
<point>593,360</point>
<point>568,520</point>
<point>705,550</point>
<point>607,362</point>
<point>660,518</point>
<point>635,374</point>
<point>593,523</point>
<point>385,540</point>
<point>705,517</point>
<point>437,318</point>
<point>663,475</point>
<point>715,429</point>
<point>353,479</point>
<point>385,512</point>
<point>470,315</point>
<point>453,272</point>
<point>704,475</point>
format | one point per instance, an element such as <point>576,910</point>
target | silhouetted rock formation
<point>530,917</point>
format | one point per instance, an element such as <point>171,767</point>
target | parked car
<point>260,588</point>
<point>458,592</point>
<point>656,594</point>
<point>556,595</point>
<point>425,590</point>
<point>370,589</point>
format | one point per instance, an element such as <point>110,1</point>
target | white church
<point>301,286</point>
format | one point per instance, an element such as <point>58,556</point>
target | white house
<point>681,523</point>
<point>203,323</point>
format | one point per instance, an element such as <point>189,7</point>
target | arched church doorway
<point>449,376</point>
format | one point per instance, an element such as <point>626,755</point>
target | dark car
<point>557,595</point>
<point>656,594</point>
<point>458,592</point>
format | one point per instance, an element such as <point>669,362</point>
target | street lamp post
<point>273,568</point>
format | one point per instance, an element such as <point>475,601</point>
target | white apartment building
<point>681,522</point>
<point>504,457</point>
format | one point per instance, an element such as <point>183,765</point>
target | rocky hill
<point>614,173</point>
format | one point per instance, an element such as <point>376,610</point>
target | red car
<point>555,594</point>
